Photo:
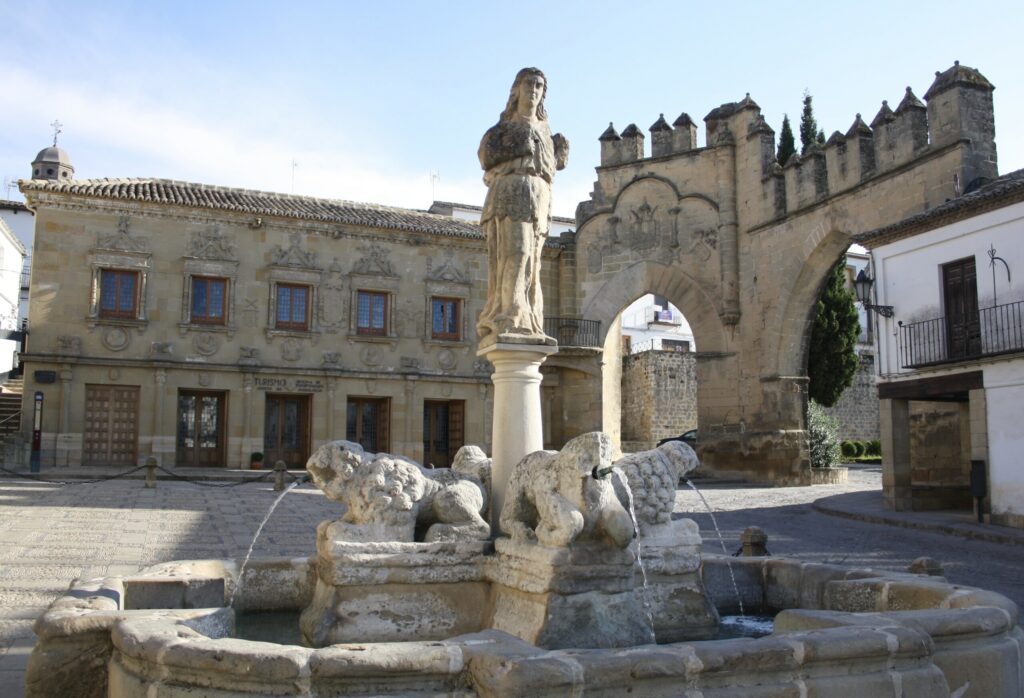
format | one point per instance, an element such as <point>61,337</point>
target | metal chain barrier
<point>171,473</point>
<point>203,483</point>
<point>62,483</point>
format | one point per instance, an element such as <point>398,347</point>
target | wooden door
<point>200,441</point>
<point>111,425</point>
<point>286,430</point>
<point>960,294</point>
<point>442,431</point>
<point>368,423</point>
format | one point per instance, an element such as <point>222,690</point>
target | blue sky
<point>369,98</point>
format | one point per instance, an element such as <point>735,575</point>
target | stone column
<point>517,427</point>
<point>410,399</point>
<point>64,416</point>
<point>248,380</point>
<point>895,428</point>
<point>330,383</point>
<point>155,431</point>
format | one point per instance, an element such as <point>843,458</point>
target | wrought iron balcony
<point>573,332</point>
<point>991,332</point>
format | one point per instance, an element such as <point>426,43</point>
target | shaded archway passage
<point>742,245</point>
<point>659,373</point>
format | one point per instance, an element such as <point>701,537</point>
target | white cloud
<point>180,144</point>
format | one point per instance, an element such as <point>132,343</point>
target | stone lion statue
<point>653,476</point>
<point>392,498</point>
<point>554,499</point>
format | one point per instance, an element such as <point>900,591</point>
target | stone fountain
<point>530,572</point>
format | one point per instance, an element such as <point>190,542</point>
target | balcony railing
<point>573,332</point>
<point>996,330</point>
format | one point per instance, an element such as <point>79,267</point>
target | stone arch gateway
<point>742,244</point>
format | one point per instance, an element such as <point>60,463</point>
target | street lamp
<point>862,287</point>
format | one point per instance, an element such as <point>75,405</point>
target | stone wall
<point>659,396</point>
<point>857,408</point>
<point>940,455</point>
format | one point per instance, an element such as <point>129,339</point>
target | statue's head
<point>526,80</point>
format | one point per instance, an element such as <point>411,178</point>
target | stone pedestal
<point>517,429</point>
<point>394,592</point>
<point>582,596</point>
<point>671,557</point>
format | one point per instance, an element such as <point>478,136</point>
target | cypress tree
<point>831,357</point>
<point>787,144</point>
<point>808,125</point>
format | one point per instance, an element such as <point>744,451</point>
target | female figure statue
<point>519,156</point>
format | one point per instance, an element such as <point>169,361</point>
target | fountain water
<point>639,557</point>
<point>252,545</point>
<point>721,539</point>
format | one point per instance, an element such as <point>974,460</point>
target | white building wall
<point>1004,397</point>
<point>909,271</point>
<point>12,256</point>
<point>22,223</point>
<point>909,277</point>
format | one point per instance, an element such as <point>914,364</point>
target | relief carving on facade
<point>409,321</point>
<point>482,367</point>
<point>122,240</point>
<point>447,270</point>
<point>375,261</point>
<point>291,349</point>
<point>205,344</point>
<point>248,356</point>
<point>250,312</point>
<point>69,345</point>
<point>293,255</point>
<point>332,359</point>
<point>332,298</point>
<point>370,356</point>
<point>161,350</point>
<point>644,228</point>
<point>410,363</point>
<point>212,244</point>
<point>116,339</point>
<point>447,360</point>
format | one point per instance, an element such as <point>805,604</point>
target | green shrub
<point>822,436</point>
<point>874,448</point>
<point>858,448</point>
<point>847,449</point>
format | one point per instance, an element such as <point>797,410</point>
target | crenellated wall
<point>741,243</point>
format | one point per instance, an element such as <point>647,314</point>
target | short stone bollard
<point>279,470</point>
<point>926,565</point>
<point>755,542</point>
<point>151,473</point>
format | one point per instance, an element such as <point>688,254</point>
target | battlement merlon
<point>957,111</point>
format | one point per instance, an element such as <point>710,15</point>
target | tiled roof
<point>260,203</point>
<point>13,205</point>
<point>1002,191</point>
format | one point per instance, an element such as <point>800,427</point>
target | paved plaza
<point>49,535</point>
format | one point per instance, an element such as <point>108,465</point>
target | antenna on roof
<point>58,128</point>
<point>435,177</point>
<point>9,184</point>
<point>294,165</point>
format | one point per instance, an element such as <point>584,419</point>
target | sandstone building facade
<point>287,321</point>
<point>201,324</point>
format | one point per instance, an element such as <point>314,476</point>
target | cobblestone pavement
<point>50,535</point>
<point>795,529</point>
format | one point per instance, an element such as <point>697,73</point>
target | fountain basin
<point>839,631</point>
